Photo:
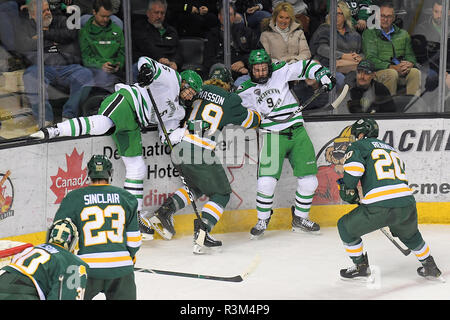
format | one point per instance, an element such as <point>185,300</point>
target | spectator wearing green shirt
<point>390,49</point>
<point>102,46</point>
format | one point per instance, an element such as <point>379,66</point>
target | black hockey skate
<point>429,270</point>
<point>203,242</point>
<point>358,272</point>
<point>300,224</point>
<point>258,230</point>
<point>162,220</point>
<point>144,226</point>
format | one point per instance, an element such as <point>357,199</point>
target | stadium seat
<point>192,49</point>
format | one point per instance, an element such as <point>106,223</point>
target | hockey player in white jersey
<point>129,110</point>
<point>268,93</point>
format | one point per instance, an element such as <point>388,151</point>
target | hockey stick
<point>202,234</point>
<point>391,238</point>
<point>316,93</point>
<point>237,278</point>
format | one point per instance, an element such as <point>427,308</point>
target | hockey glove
<point>348,195</point>
<point>145,76</point>
<point>175,136</point>
<point>324,76</point>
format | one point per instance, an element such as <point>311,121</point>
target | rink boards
<point>35,178</point>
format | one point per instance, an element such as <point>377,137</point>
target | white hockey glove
<point>175,136</point>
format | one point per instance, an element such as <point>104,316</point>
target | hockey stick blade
<point>391,238</point>
<point>238,278</point>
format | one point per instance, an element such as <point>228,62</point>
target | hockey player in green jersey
<point>386,201</point>
<point>49,271</point>
<point>268,93</point>
<point>109,232</point>
<point>129,110</point>
<point>213,109</point>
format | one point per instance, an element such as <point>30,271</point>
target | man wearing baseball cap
<point>368,95</point>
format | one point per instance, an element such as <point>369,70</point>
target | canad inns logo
<point>6,195</point>
<point>75,177</point>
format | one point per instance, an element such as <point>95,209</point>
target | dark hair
<point>387,3</point>
<point>102,3</point>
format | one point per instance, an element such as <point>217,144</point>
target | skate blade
<point>256,237</point>
<point>440,279</point>
<point>363,280</point>
<point>300,230</point>
<point>198,249</point>
<point>157,226</point>
<point>146,236</point>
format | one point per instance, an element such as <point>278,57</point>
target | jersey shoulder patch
<point>278,65</point>
<point>245,86</point>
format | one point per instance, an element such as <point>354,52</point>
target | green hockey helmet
<point>99,167</point>
<point>367,126</point>
<point>193,79</point>
<point>64,233</point>
<point>222,73</point>
<point>259,56</point>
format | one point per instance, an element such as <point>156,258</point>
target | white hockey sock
<point>134,177</point>
<point>181,197</point>
<point>354,251</point>
<point>306,187</point>
<point>264,196</point>
<point>422,252</point>
<point>93,125</point>
<point>212,212</point>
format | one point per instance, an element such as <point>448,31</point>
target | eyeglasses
<point>387,17</point>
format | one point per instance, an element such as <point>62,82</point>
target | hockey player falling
<point>213,109</point>
<point>387,201</point>
<point>268,93</point>
<point>127,111</point>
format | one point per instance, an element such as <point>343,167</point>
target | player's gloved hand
<point>175,136</point>
<point>323,75</point>
<point>145,75</point>
<point>348,195</point>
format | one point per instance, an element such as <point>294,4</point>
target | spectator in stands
<point>389,48</point>
<point>102,46</point>
<point>426,40</point>
<point>154,38</point>
<point>282,37</point>
<point>9,15</point>
<point>360,11</point>
<point>300,12</point>
<point>192,18</point>
<point>254,11</point>
<point>368,95</point>
<point>243,41</point>
<point>86,7</point>
<point>348,46</point>
<point>62,60</point>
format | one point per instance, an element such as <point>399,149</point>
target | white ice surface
<point>292,266</point>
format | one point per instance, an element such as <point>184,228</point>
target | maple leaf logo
<point>75,177</point>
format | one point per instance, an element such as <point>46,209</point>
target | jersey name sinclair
<point>101,198</point>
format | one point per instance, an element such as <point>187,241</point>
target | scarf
<point>284,33</point>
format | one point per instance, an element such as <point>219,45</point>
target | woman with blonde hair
<point>348,45</point>
<point>282,36</point>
